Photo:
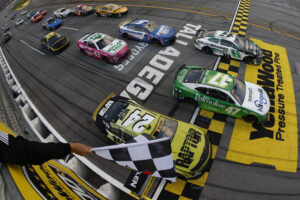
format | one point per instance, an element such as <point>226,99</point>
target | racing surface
<point>67,87</point>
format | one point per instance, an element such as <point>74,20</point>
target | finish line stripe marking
<point>32,47</point>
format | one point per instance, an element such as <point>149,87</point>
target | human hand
<point>80,149</point>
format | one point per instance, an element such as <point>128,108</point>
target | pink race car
<point>103,46</point>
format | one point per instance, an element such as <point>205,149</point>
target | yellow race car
<point>111,10</point>
<point>54,42</point>
<point>122,119</point>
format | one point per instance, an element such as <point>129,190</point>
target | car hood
<point>256,99</point>
<point>164,32</point>
<point>188,146</point>
<point>251,47</point>
<point>114,47</point>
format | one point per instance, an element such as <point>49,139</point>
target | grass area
<point>19,4</point>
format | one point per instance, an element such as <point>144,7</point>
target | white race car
<point>19,21</point>
<point>62,12</point>
<point>227,44</point>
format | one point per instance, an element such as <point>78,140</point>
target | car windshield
<point>151,26</point>
<point>194,76</point>
<point>165,128</point>
<point>51,20</point>
<point>53,39</point>
<point>104,41</point>
<point>239,91</point>
<point>115,110</point>
<point>114,6</point>
<point>239,42</point>
<point>62,10</point>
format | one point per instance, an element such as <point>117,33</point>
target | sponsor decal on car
<point>114,47</point>
<point>186,154</point>
<point>106,107</point>
<point>208,101</point>
<point>261,101</point>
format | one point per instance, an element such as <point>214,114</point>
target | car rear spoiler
<point>101,105</point>
<point>125,22</point>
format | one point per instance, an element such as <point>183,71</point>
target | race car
<point>54,42</point>
<point>122,119</point>
<point>103,46</point>
<point>6,37</point>
<point>42,12</point>
<point>147,31</point>
<point>24,12</point>
<point>19,21</point>
<point>30,14</point>
<point>111,10</point>
<point>222,93</point>
<point>36,18</point>
<point>82,10</point>
<point>227,44</point>
<point>51,23</point>
<point>62,12</point>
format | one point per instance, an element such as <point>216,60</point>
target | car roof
<point>210,74</point>
<point>225,35</point>
<point>95,37</point>
<point>141,22</point>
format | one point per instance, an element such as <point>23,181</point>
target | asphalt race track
<point>67,87</point>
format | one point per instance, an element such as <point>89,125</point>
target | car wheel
<point>125,35</point>
<point>98,14</point>
<point>248,60</point>
<point>105,59</point>
<point>83,52</point>
<point>251,119</point>
<point>207,50</point>
<point>119,15</point>
<point>156,42</point>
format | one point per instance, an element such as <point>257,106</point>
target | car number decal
<point>139,121</point>
<point>235,54</point>
<point>232,110</point>
<point>220,80</point>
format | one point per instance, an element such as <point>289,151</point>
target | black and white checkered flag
<point>143,153</point>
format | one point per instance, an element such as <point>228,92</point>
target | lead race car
<point>223,93</point>
<point>147,31</point>
<point>227,44</point>
<point>122,119</point>
<point>111,10</point>
<point>103,46</point>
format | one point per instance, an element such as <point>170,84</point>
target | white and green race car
<point>223,93</point>
<point>227,44</point>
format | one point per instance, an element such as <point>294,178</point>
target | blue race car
<point>51,23</point>
<point>147,31</point>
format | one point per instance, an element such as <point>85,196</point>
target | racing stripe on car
<point>241,19</point>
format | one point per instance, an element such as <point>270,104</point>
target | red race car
<point>42,12</point>
<point>36,18</point>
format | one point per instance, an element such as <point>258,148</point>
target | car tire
<point>98,14</point>
<point>83,52</point>
<point>125,35</point>
<point>207,50</point>
<point>105,59</point>
<point>119,15</point>
<point>250,119</point>
<point>248,60</point>
<point>156,42</point>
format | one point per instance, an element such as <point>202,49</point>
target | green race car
<point>222,93</point>
<point>122,119</point>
